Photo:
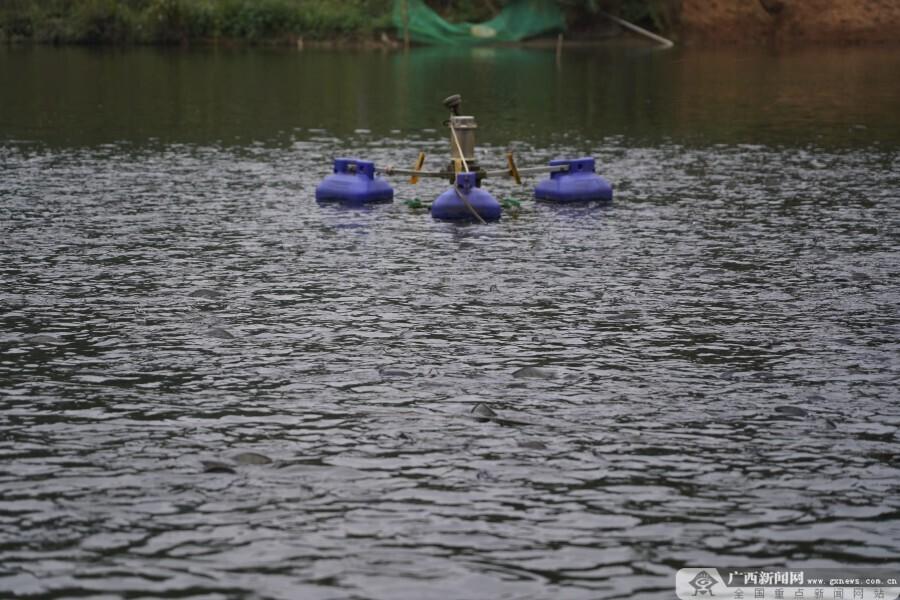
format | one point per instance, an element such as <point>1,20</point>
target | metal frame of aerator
<point>462,153</point>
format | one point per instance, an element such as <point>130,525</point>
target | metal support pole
<point>406,24</point>
<point>656,38</point>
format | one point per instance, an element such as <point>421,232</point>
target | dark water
<point>715,357</point>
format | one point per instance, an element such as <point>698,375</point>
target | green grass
<point>172,21</point>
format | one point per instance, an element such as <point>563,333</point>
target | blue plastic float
<point>577,183</point>
<point>354,182</point>
<point>450,206</point>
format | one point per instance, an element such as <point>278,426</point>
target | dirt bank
<point>790,21</point>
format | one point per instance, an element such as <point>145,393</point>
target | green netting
<point>518,20</point>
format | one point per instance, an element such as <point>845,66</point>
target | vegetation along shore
<point>370,21</point>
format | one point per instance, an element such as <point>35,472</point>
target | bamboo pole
<point>640,30</point>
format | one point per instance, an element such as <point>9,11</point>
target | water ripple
<point>213,387</point>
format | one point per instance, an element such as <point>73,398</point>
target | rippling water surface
<point>211,387</point>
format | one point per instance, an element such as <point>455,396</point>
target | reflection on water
<point>77,96</point>
<point>703,373</point>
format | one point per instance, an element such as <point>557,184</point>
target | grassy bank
<point>247,21</point>
<point>174,21</point>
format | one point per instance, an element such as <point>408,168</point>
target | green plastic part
<point>414,203</point>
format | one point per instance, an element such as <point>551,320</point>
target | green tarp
<point>518,20</point>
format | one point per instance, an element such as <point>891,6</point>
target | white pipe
<point>657,38</point>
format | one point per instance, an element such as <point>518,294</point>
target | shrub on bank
<point>169,21</point>
<point>174,21</point>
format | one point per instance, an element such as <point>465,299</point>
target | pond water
<point>212,387</point>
